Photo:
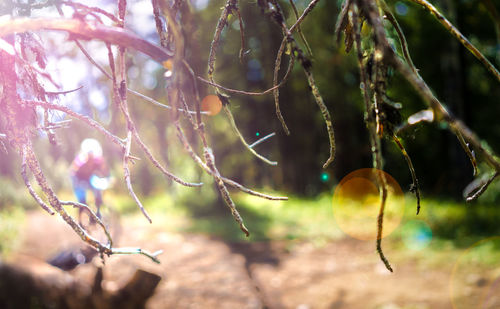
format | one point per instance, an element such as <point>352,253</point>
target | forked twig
<point>277,16</point>
<point>93,216</point>
<point>232,183</point>
<point>299,31</point>
<point>242,139</point>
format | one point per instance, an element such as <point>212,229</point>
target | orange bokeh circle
<point>356,204</point>
<point>211,104</point>
<point>168,64</point>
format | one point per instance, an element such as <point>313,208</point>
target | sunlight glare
<point>356,204</point>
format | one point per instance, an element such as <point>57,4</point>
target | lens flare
<point>325,177</point>
<point>356,204</point>
<point>475,279</point>
<point>416,235</point>
<point>211,104</point>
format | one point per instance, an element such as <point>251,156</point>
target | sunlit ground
<point>455,253</point>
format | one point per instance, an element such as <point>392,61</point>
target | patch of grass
<point>453,226</point>
<point>459,222</point>
<point>297,218</point>
<point>446,228</point>
<point>11,219</point>
<point>12,192</point>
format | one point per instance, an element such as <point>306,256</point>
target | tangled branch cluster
<point>375,56</point>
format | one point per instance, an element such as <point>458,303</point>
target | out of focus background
<point>300,254</point>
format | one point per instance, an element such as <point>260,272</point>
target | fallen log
<point>27,282</point>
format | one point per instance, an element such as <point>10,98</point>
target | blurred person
<point>89,172</point>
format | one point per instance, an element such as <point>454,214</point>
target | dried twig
<point>459,36</point>
<point>277,65</point>
<point>85,119</point>
<point>415,187</point>
<point>242,139</point>
<point>478,191</point>
<point>260,140</point>
<point>35,196</point>
<point>277,16</point>
<point>374,138</point>
<point>232,183</point>
<point>173,93</point>
<point>299,31</point>
<point>93,217</point>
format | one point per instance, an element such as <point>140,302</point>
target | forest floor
<point>200,271</point>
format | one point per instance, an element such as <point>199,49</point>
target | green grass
<point>310,218</point>
<point>297,218</point>
<point>451,226</point>
<point>11,218</point>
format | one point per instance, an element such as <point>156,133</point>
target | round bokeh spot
<point>211,104</point>
<point>475,279</point>
<point>324,177</point>
<point>356,204</point>
<point>416,234</point>
<point>168,64</point>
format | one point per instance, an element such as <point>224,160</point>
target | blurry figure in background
<point>89,172</point>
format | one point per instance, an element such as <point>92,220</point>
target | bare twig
<point>93,216</point>
<point>153,101</point>
<point>153,256</point>
<point>277,16</point>
<point>478,191</point>
<point>374,139</point>
<point>80,6</point>
<point>126,175</point>
<point>85,119</point>
<point>62,92</point>
<point>242,139</point>
<point>243,92</point>
<point>466,149</point>
<point>402,39</point>
<point>242,34</point>
<point>262,140</point>
<point>459,36</point>
<point>415,187</point>
<point>35,196</point>
<point>276,93</point>
<point>299,31</point>
<point>210,159</point>
<point>308,10</point>
<point>228,181</point>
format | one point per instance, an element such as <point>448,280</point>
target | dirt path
<point>200,272</point>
